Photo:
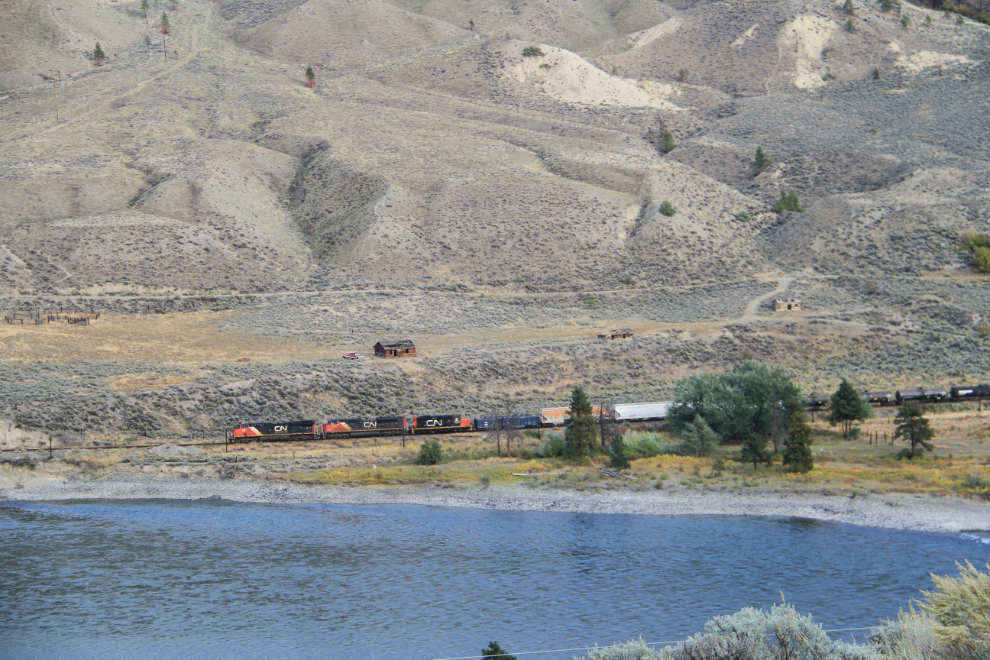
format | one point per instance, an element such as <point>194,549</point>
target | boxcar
<point>517,421</point>
<point>357,427</point>
<point>440,424</point>
<point>267,431</point>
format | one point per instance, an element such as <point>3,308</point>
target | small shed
<point>789,305</point>
<point>395,348</point>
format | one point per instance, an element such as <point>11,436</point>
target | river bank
<point>889,510</point>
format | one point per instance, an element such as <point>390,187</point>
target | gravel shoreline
<point>891,510</point>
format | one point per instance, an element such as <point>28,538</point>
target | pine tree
<point>144,9</point>
<point>310,76</point>
<point>617,458</point>
<point>849,8</point>
<point>912,425</point>
<point>761,160</point>
<point>495,651</point>
<point>666,141</point>
<point>579,429</point>
<point>98,55</point>
<point>699,439</point>
<point>797,444</point>
<point>847,406</point>
<point>754,450</point>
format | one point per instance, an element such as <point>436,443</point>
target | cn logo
<point>370,425</point>
<point>434,422</point>
<point>281,428</point>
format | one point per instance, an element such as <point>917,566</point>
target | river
<point>210,578</point>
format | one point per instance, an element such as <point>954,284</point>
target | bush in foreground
<point>954,624</point>
<point>430,453</point>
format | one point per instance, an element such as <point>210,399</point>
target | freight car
<point>558,416</point>
<point>641,412</point>
<point>970,392</point>
<point>358,427</point>
<point>515,422</point>
<point>882,398</point>
<point>273,431</point>
<point>819,400</point>
<point>929,394</point>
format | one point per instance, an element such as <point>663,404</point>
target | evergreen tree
<point>617,458</point>
<point>797,444</point>
<point>310,76</point>
<point>144,9</point>
<point>496,651</point>
<point>849,8</point>
<point>579,428</point>
<point>847,406</point>
<point>789,201</point>
<point>761,160</point>
<point>98,55</point>
<point>912,425</point>
<point>754,450</point>
<point>666,141</point>
<point>164,25</point>
<point>699,439</point>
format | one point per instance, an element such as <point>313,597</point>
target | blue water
<point>173,579</point>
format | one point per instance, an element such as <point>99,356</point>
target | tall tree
<point>736,405</point>
<point>310,77</point>
<point>166,29</point>
<point>699,438</point>
<point>579,428</point>
<point>144,9</point>
<point>797,444</point>
<point>848,406</point>
<point>98,55</point>
<point>912,425</point>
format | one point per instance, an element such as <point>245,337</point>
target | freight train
<point>622,413</point>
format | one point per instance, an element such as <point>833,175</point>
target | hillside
<point>510,157</point>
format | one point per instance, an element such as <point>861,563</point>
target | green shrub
<point>643,444</point>
<point>876,74</point>
<point>981,259</point>
<point>430,453</point>
<point>667,208</point>
<point>887,5</point>
<point>851,26</point>
<point>553,447</point>
<point>961,608</point>
<point>849,8</point>
<point>788,201</point>
<point>533,51</point>
<point>682,75</point>
<point>905,21</point>
<point>742,216</point>
<point>666,141</point>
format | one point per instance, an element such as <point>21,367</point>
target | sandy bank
<point>893,511</point>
